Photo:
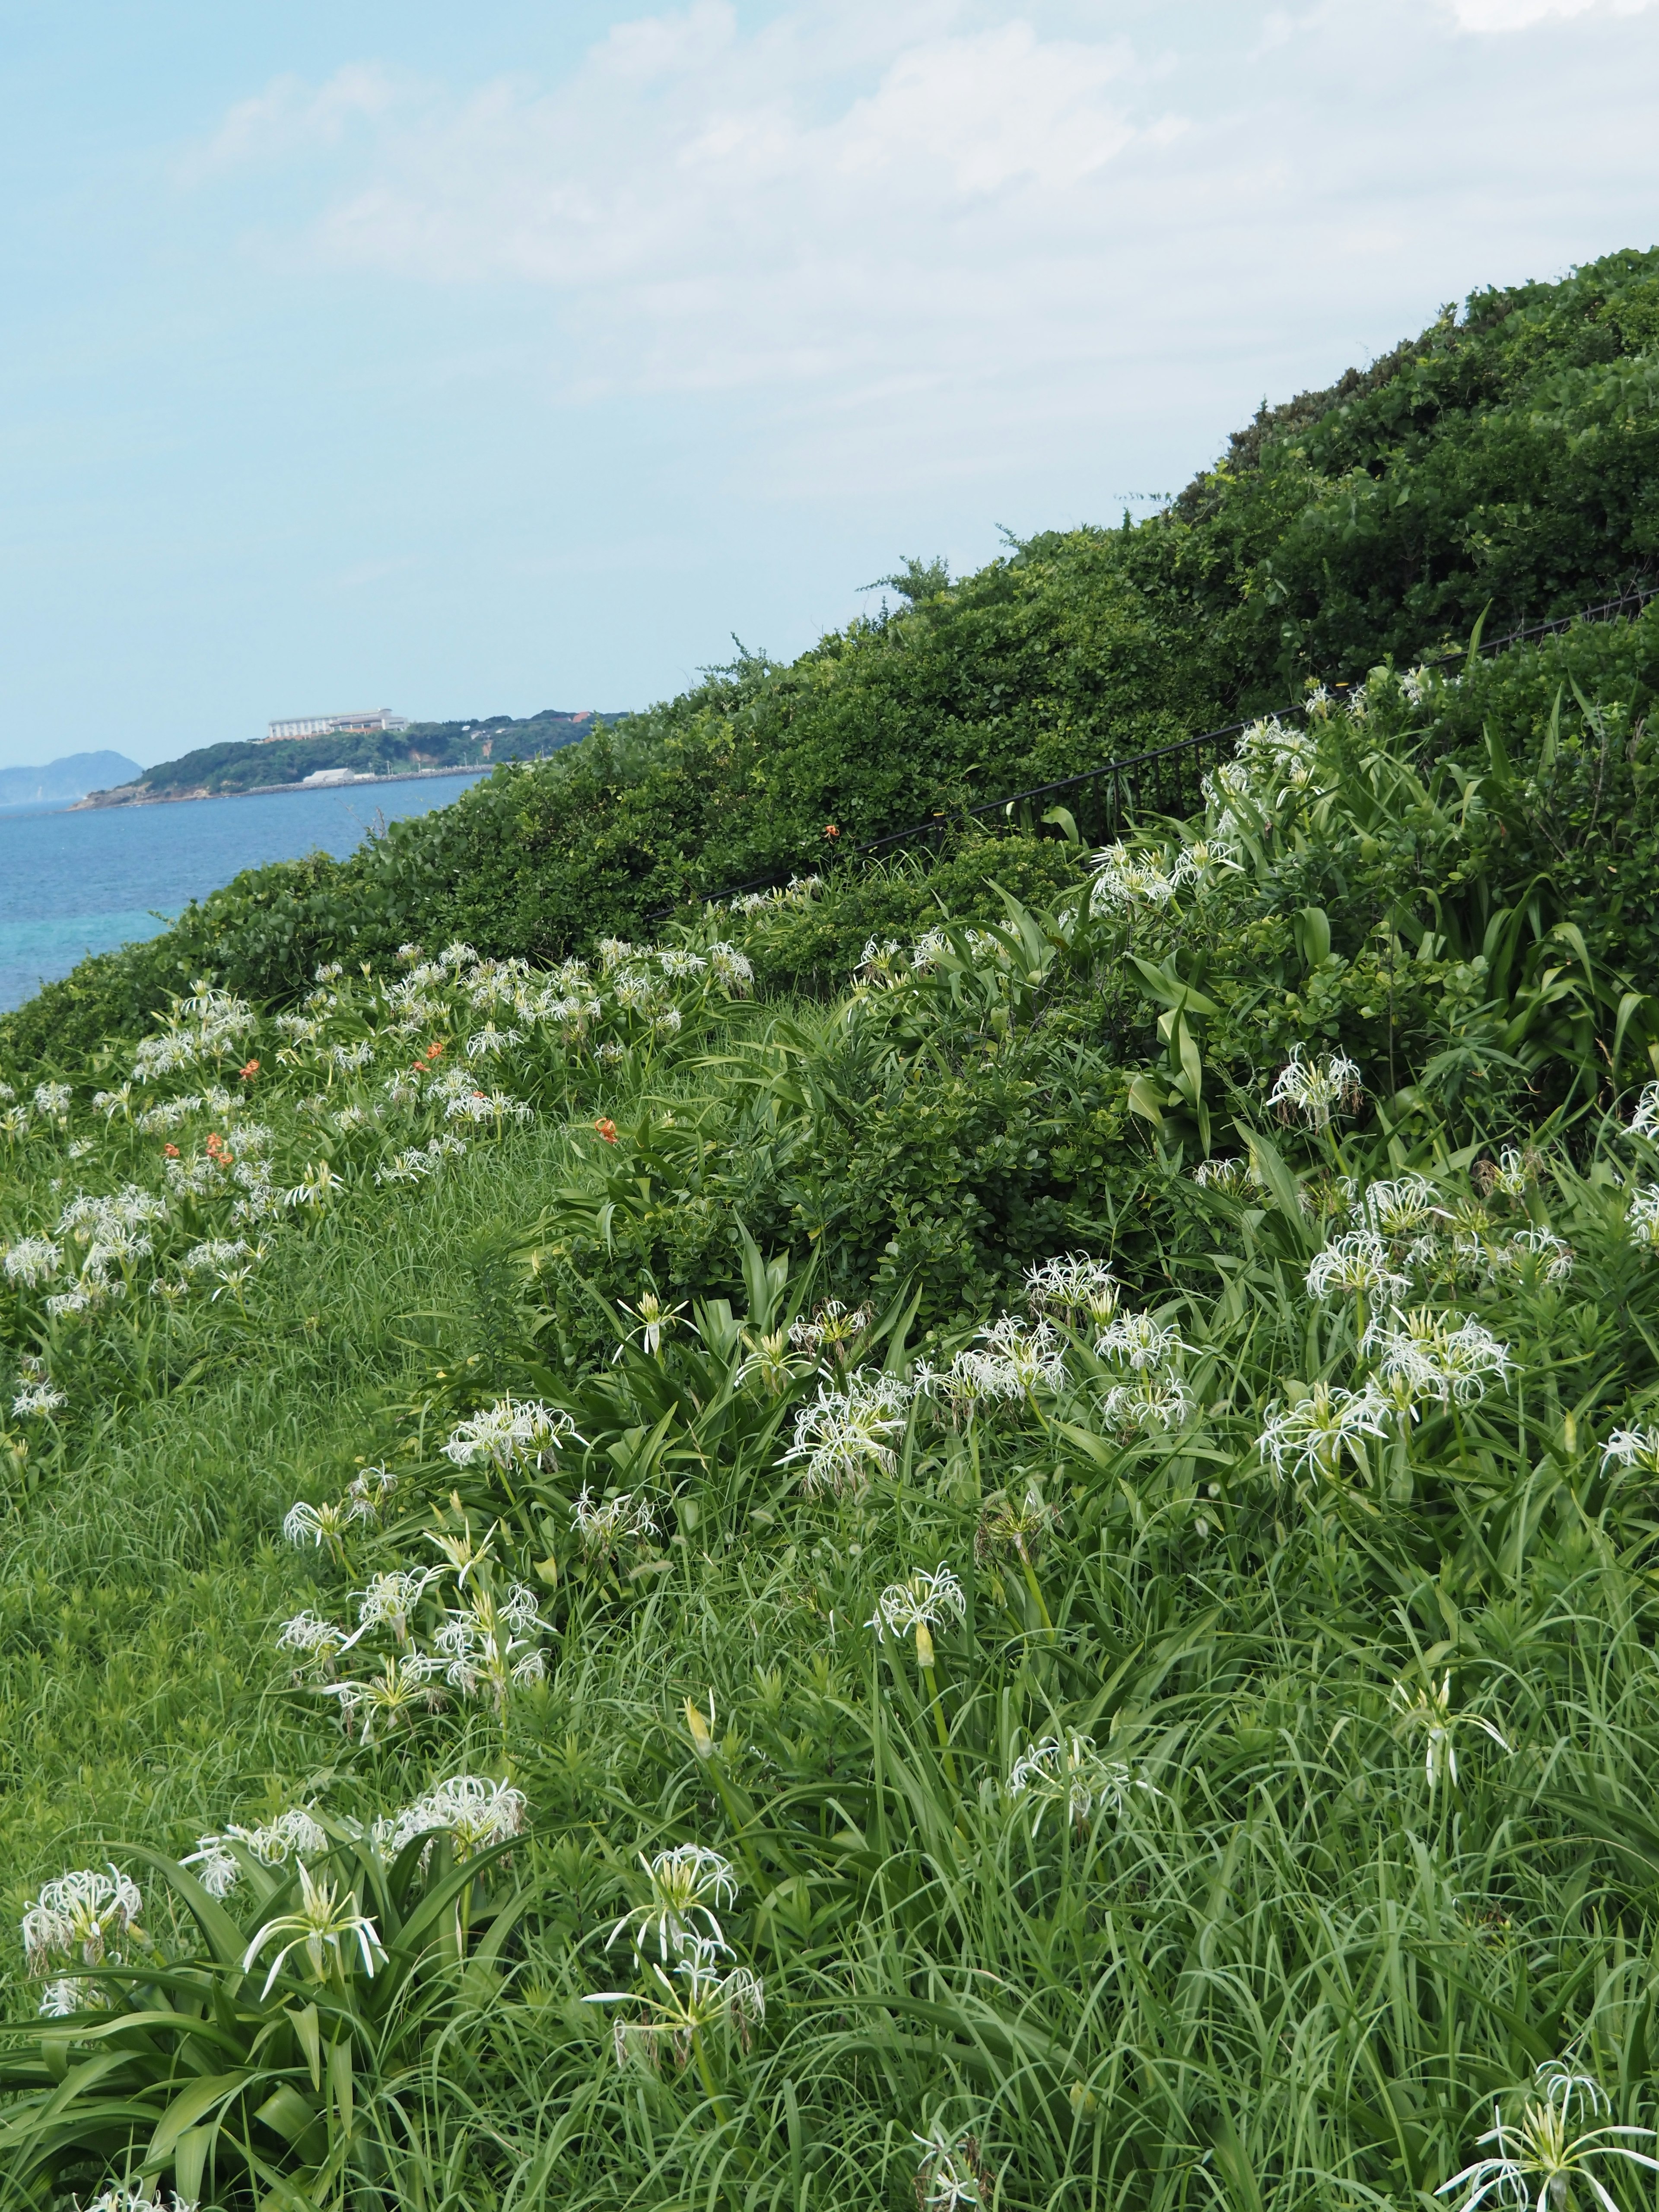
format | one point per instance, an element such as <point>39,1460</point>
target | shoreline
<point>98,801</point>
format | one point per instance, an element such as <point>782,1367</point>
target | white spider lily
<point>952,2176</point>
<point>833,1328</point>
<point>304,1523</point>
<point>844,1436</point>
<point>402,1688</point>
<point>37,1398</point>
<point>1152,1404</point>
<point>315,1639</point>
<point>86,1911</point>
<point>1425,1709</point>
<point>1644,1121</point>
<point>601,1528</point>
<point>32,1261</point>
<point>1398,1208</point>
<point>1357,1262</point>
<point>474,1813</point>
<point>1074,1288</point>
<point>1229,1175</point>
<point>1437,1355</point>
<point>696,1997</point>
<point>1316,1089</point>
<point>686,1884</point>
<point>63,1999</point>
<point>130,2196</point>
<point>1643,1215</point>
<point>1312,1437</point>
<point>325,1925</point>
<point>510,1430</point>
<point>656,1321</point>
<point>1538,2157</point>
<point>1068,1770</point>
<point>1011,1360</point>
<point>391,1598</point>
<point>918,1605</point>
<point>1137,1339</point>
<point>1638,1448</point>
<point>1535,1251</point>
<point>217,1869</point>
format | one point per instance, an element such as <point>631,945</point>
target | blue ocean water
<point>73,883</point>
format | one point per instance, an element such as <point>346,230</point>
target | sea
<point>73,882</point>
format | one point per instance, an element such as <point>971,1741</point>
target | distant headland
<point>377,748</point>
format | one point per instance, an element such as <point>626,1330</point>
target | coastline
<point>97,801</point>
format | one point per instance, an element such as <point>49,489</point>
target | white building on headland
<point>327,726</point>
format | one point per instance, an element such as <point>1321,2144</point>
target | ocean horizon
<point>74,882</point>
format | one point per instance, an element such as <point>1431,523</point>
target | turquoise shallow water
<point>75,883</point>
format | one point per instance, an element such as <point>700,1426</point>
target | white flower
<point>1535,1251</point>
<point>1068,1770</point>
<point>33,1261</point>
<point>85,1912</point>
<point>385,1700</point>
<point>1438,1355</point>
<point>509,1431</point>
<point>731,969</point>
<point>1644,1121</point>
<point>129,2196</point>
<point>844,1435</point>
<point>952,2177</point>
<point>1358,1261</point>
<point>1539,2156</point>
<point>1312,1437</point>
<point>1125,880</point>
<point>917,1606</point>
<point>1011,1360</point>
<point>735,2000</point>
<point>1137,1339</point>
<point>38,1398</point>
<point>1426,1708</point>
<point>304,1523</point>
<point>391,1598</point>
<point>62,1999</point>
<point>1638,1448</point>
<point>487,1042</point>
<point>601,1528</point>
<point>686,1884</point>
<point>216,1252</point>
<point>1317,1089</point>
<point>1398,1208</point>
<point>1073,1286</point>
<point>1151,1402</point>
<point>1235,1174</point>
<point>474,1813</point>
<point>218,1870</point>
<point>53,1098</point>
<point>1643,1215</point>
<point>324,1925</point>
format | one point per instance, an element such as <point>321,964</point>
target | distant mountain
<point>217,770</point>
<point>72,777</point>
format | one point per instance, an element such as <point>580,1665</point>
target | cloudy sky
<point>476,359</point>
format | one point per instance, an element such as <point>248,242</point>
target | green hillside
<point>975,1530</point>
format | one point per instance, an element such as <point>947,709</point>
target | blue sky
<point>472,360</point>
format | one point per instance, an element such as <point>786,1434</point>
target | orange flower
<point>830,830</point>
<point>606,1128</point>
<point>218,1150</point>
<point>171,1151</point>
<point>248,1072</point>
<point>435,1051</point>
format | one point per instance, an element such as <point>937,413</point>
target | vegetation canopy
<point>973,1530</point>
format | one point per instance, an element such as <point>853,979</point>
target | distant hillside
<point>219,770</point>
<point>72,777</point>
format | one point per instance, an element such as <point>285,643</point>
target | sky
<point>470,360</point>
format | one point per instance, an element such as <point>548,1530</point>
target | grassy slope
<point>1285,1966</point>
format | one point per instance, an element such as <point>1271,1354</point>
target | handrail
<point>1607,610</point>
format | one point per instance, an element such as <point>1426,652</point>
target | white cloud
<point>927,236</point>
<point>1522,14</point>
<point>290,118</point>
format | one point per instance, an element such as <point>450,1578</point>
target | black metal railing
<point>1167,780</point>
